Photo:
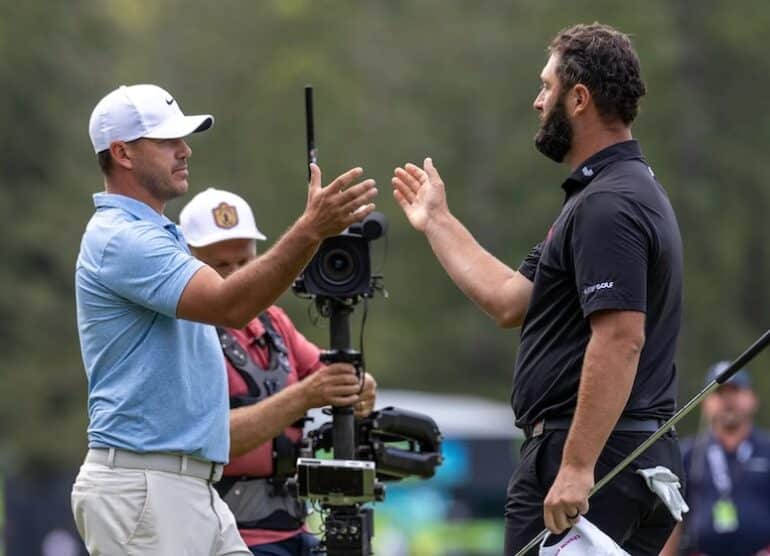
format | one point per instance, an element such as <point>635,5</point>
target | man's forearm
<point>252,289</point>
<point>609,369</point>
<point>256,424</point>
<point>497,289</point>
<point>671,548</point>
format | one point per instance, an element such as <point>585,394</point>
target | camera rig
<point>390,444</point>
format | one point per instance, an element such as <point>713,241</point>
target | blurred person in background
<point>599,302</point>
<point>728,476</point>
<point>274,377</point>
<point>157,383</point>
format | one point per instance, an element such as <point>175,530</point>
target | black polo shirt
<point>614,246</point>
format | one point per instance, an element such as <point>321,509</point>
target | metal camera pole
<point>343,420</point>
<point>723,377</point>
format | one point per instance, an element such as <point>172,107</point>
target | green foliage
<point>395,81</point>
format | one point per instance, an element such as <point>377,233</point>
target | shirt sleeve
<point>148,266</point>
<point>528,266</point>
<point>610,250</point>
<point>307,356</point>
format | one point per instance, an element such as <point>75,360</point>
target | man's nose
<point>184,151</point>
<point>537,104</point>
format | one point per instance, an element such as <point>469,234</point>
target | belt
<point>155,461</point>
<point>624,424</point>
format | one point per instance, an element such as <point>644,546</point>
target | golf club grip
<point>312,154</point>
<point>738,363</point>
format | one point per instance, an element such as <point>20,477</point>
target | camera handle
<point>343,419</point>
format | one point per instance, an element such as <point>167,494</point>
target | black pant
<point>625,509</point>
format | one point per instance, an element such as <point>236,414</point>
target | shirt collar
<point>587,171</point>
<point>135,207</point>
<point>256,328</point>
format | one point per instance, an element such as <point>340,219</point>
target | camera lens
<point>337,267</point>
<point>340,268</point>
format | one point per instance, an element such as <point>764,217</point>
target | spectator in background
<point>728,477</point>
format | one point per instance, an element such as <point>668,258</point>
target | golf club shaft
<point>734,367</point>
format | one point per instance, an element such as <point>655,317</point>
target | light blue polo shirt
<point>156,383</point>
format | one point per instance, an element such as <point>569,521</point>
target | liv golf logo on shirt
<point>595,287</point>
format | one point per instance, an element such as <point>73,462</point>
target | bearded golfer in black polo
<point>599,301</point>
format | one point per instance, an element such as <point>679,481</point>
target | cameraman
<point>274,376</point>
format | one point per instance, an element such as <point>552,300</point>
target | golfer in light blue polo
<point>157,386</point>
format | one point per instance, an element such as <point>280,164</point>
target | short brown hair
<point>604,60</point>
<point>105,161</point>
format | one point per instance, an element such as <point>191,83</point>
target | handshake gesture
<point>420,193</point>
<point>343,202</point>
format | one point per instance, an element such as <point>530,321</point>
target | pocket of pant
<point>540,459</point>
<point>109,504</point>
<point>141,500</point>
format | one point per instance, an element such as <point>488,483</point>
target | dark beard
<point>554,138</point>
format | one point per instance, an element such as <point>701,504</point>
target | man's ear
<point>580,98</point>
<point>120,153</point>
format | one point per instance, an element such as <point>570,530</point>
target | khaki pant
<point>142,512</point>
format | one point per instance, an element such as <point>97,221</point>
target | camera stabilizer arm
<point>401,443</point>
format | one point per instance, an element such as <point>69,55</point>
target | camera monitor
<point>336,482</point>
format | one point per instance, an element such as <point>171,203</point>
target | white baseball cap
<point>128,113</point>
<point>215,215</point>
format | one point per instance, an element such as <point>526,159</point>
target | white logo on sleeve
<point>599,286</point>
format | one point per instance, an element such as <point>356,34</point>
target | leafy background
<point>395,81</point>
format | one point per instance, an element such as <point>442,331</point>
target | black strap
<point>264,382</point>
<point>279,353</point>
<point>261,382</point>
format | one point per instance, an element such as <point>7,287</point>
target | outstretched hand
<point>333,208</point>
<point>420,193</point>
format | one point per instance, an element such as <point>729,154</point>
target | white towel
<point>662,481</point>
<point>583,539</point>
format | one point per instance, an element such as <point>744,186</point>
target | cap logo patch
<point>225,216</point>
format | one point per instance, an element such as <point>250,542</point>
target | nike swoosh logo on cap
<point>169,101</point>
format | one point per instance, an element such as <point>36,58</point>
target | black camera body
<point>401,443</point>
<point>342,267</point>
